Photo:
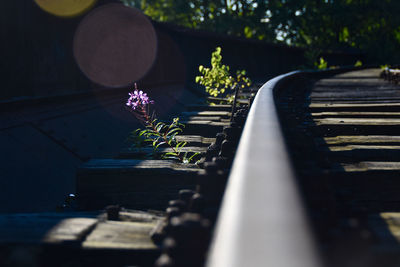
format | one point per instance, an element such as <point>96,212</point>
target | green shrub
<point>322,64</point>
<point>217,79</point>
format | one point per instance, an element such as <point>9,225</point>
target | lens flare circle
<point>65,8</point>
<point>115,45</point>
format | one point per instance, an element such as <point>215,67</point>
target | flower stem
<point>149,122</point>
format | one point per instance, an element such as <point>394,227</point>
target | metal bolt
<point>113,212</point>
<point>180,204</point>
<point>165,261</point>
<point>186,195</point>
<point>227,149</point>
<point>211,167</point>
<point>221,162</point>
<point>215,147</point>
<point>172,212</point>
<point>197,203</point>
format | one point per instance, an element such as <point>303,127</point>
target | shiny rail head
<point>262,220</point>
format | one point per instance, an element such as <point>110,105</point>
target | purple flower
<point>137,99</point>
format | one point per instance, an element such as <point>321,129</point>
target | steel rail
<point>262,221</point>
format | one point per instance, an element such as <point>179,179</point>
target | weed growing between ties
<point>217,79</point>
<point>156,132</point>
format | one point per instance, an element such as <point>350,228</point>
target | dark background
<point>37,58</point>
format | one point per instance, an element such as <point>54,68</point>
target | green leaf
<point>170,157</point>
<point>135,132</point>
<point>171,138</point>
<point>192,156</point>
<point>170,154</point>
<point>143,132</point>
<point>180,145</point>
<point>174,130</point>
<point>160,127</point>
<point>159,144</point>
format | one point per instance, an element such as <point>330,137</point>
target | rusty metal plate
<point>115,45</point>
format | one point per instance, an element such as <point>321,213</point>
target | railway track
<point>142,196</point>
<point>336,203</point>
<point>343,143</point>
<point>313,182</point>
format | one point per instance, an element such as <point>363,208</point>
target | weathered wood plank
<point>338,81</point>
<point>358,106</point>
<point>205,128</point>
<point>358,100</point>
<point>71,230</point>
<point>145,166</point>
<point>353,126</point>
<point>143,152</point>
<point>355,114</point>
<point>61,239</point>
<point>226,100</point>
<point>386,228</point>
<point>358,139</point>
<point>358,147</point>
<point>222,114</point>
<point>375,190</point>
<point>356,93</point>
<point>384,87</point>
<point>195,140</point>
<point>51,228</point>
<point>352,153</point>
<point>204,118</point>
<point>121,235</point>
<point>139,184</point>
<point>357,121</point>
<point>365,166</point>
<point>204,123</point>
<point>191,140</point>
<point>131,232</point>
<point>209,107</point>
<point>331,130</point>
<point>362,171</point>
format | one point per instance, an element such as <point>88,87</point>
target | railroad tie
<point>343,136</point>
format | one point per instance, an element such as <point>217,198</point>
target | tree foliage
<point>370,25</point>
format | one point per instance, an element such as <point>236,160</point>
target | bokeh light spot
<point>115,45</point>
<point>65,8</point>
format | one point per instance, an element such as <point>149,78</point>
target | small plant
<point>217,79</point>
<point>156,132</point>
<point>322,64</point>
<point>358,63</point>
<point>385,67</point>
